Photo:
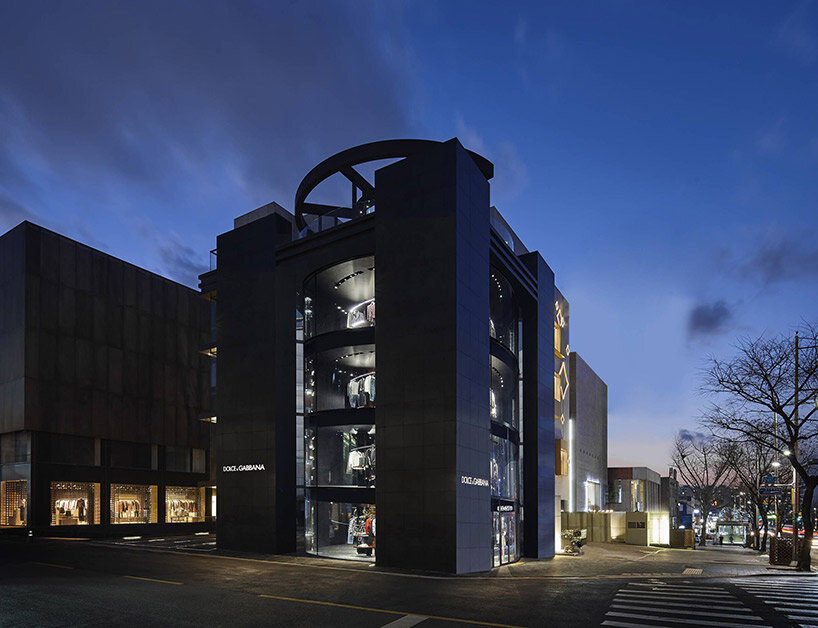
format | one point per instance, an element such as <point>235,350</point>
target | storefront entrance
<point>505,538</point>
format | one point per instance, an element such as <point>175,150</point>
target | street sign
<point>770,490</point>
<point>769,479</point>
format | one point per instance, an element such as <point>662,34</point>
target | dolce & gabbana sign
<point>472,481</point>
<point>230,468</point>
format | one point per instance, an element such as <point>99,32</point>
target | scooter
<point>573,542</point>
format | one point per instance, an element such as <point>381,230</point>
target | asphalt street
<point>78,583</point>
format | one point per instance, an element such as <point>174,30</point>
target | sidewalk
<point>606,560</point>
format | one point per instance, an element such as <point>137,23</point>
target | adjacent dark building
<point>102,388</point>
<point>634,489</point>
<point>669,496</point>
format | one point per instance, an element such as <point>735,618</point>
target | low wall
<point>602,527</point>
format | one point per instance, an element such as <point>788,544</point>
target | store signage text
<point>242,467</point>
<point>470,481</point>
<point>505,508</point>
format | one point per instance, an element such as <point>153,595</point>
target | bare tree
<point>766,394</point>
<point>749,463</point>
<point>703,467</point>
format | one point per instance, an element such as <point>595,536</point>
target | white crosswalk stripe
<point>638,605</point>
<point>795,597</point>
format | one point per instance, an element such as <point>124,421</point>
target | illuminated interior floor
<point>345,552</point>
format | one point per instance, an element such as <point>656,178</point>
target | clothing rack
<point>361,376</point>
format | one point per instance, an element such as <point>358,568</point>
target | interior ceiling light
<point>347,278</point>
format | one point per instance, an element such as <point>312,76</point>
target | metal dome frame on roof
<point>344,162</point>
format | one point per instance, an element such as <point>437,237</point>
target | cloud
<point>694,437</point>
<point>510,171</point>
<point>708,318</point>
<point>13,213</point>
<point>180,262</point>
<point>794,37</point>
<point>780,259</point>
<point>163,97</point>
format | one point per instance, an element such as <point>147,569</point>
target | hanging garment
<point>370,312</point>
<point>356,318</point>
<point>353,393</point>
<point>357,461</point>
<point>368,386</point>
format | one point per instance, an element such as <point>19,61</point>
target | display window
<point>502,394</point>
<point>13,503</point>
<point>504,464</point>
<point>340,297</point>
<point>342,455</point>
<point>184,504</point>
<point>340,378</point>
<point>503,311</point>
<point>75,503</point>
<point>133,503</point>
<point>341,530</point>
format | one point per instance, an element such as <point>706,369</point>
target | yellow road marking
<point>153,580</point>
<point>54,565</point>
<point>391,612</point>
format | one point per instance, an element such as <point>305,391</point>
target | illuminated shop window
<point>340,297</point>
<point>133,503</point>
<point>340,455</point>
<point>184,504</point>
<point>503,394</point>
<point>340,378</point>
<point>340,530</point>
<point>75,503</point>
<point>503,311</point>
<point>13,503</point>
<point>504,477</point>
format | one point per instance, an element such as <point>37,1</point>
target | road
<point>76,583</point>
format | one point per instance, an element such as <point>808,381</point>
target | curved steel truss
<point>363,192</point>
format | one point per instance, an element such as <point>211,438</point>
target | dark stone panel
<point>433,362</point>
<point>12,328</point>
<point>89,363</point>
<point>247,342</point>
<point>538,412</point>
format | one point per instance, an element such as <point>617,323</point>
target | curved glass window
<point>340,378</point>
<point>340,455</point>
<point>502,394</point>
<point>503,311</point>
<point>340,297</point>
<point>504,457</point>
<point>340,530</point>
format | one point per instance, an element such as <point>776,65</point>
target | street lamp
<point>795,495</point>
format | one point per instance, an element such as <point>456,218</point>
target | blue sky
<point>661,156</point>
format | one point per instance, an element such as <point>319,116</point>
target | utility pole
<point>794,454</point>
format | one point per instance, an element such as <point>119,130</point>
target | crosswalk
<point>794,597</point>
<point>659,604</point>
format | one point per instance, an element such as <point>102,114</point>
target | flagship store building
<point>386,385</point>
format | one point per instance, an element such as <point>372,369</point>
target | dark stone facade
<point>433,246</point>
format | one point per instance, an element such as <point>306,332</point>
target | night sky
<point>663,157</point>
